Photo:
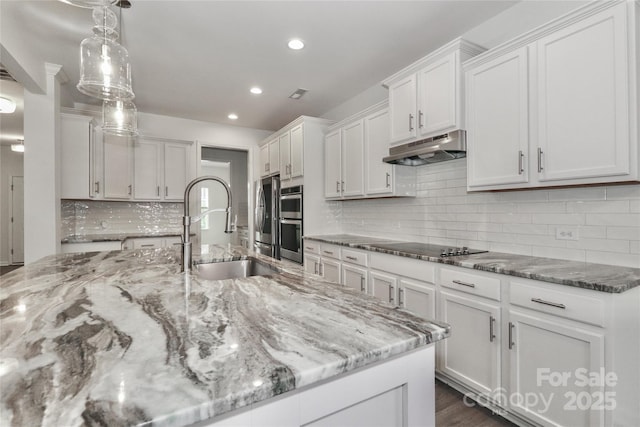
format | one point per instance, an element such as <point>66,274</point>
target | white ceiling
<point>198,59</point>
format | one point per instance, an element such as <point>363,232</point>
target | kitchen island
<point>123,338</point>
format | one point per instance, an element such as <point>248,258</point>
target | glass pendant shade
<point>90,3</point>
<point>119,118</point>
<point>105,70</point>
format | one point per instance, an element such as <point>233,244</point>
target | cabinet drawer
<point>331,251</point>
<point>355,257</point>
<point>402,266</point>
<point>488,287</point>
<point>312,247</point>
<point>570,305</point>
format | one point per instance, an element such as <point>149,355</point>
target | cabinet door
<point>402,109</point>
<point>417,297</point>
<point>147,161</point>
<point>274,154</point>
<point>353,159</point>
<point>583,99</point>
<point>117,167</point>
<point>498,121</point>
<point>332,165</point>
<point>354,277</point>
<point>438,97</point>
<point>311,263</point>
<point>331,270</point>
<point>540,348</point>
<point>285,155</point>
<point>264,160</point>
<point>296,164</point>
<point>379,175</point>
<point>471,354</point>
<point>176,170</point>
<point>76,135</point>
<point>384,286</point>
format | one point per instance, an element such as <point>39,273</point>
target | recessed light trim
<point>295,44</point>
<point>7,106</point>
<point>255,90</point>
<point>232,116</point>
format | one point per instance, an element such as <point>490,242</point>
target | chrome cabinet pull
<point>337,186</point>
<point>520,162</point>
<point>410,122</point>
<point>328,252</point>
<point>166,191</point>
<point>343,186</point>
<point>540,153</point>
<point>158,191</point>
<point>460,282</point>
<point>315,268</point>
<point>321,269</point>
<point>352,258</point>
<point>149,245</point>
<point>129,187</point>
<point>552,304</point>
<point>309,247</point>
<point>391,298</point>
<point>420,119</point>
<point>511,343</point>
<point>492,335</point>
<point>388,177</point>
<point>362,288</point>
<point>97,186</point>
<point>401,297</point>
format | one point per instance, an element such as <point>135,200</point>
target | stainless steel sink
<point>233,269</point>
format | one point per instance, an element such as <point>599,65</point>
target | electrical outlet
<point>567,233</point>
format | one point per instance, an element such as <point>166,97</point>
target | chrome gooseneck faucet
<point>186,219</point>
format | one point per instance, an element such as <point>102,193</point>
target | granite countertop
<point>122,338</point>
<point>115,237</point>
<point>597,277</point>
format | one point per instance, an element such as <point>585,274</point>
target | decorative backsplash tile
<point>606,218</point>
<point>86,217</point>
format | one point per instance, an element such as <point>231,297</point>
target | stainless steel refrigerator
<point>266,216</point>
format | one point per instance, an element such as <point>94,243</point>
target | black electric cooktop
<point>425,249</point>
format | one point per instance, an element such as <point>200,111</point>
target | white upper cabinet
<point>332,164</point>
<point>354,149</point>
<point>270,157</point>
<point>353,159</point>
<point>285,155</point>
<point>161,169</point>
<point>118,176</point>
<point>296,163</point>
<point>80,155</point>
<point>498,120</point>
<point>264,160</point>
<point>557,106</point>
<point>425,98</point>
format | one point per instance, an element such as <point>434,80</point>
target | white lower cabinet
<point>322,259</point>
<point>471,354</point>
<point>548,359</point>
<point>67,248</point>
<point>384,286</point>
<point>417,297</point>
<point>331,270</point>
<point>150,242</point>
<point>354,277</point>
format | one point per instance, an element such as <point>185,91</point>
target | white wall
<point>11,164</point>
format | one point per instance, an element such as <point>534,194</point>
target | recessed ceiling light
<point>295,44</point>
<point>7,105</point>
<point>19,147</point>
<point>233,116</point>
<point>255,90</point>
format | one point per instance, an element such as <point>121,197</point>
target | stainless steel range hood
<point>449,146</point>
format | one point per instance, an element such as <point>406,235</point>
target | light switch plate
<point>566,232</point>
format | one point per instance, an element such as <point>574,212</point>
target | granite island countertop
<point>597,277</point>
<point>122,338</point>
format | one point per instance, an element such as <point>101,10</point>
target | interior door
<point>17,220</point>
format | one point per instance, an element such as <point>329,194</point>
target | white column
<point>41,168</point>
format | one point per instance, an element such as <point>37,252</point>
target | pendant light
<point>119,118</point>
<point>105,71</point>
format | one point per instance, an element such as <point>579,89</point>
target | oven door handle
<point>290,196</point>
<point>290,221</point>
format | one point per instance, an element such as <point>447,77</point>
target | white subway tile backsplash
<point>607,217</point>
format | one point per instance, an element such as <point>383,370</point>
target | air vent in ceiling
<point>4,74</point>
<point>299,93</point>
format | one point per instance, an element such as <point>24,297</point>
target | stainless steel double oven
<point>291,223</point>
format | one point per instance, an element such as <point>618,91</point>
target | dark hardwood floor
<point>451,411</point>
<point>8,268</point>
